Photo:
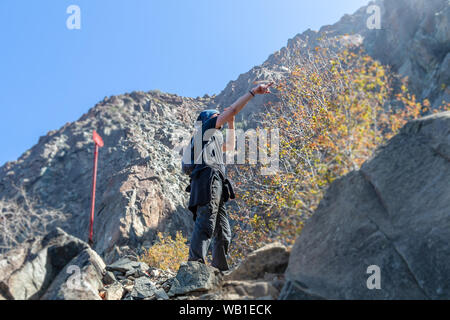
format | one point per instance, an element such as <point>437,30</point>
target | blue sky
<point>51,75</point>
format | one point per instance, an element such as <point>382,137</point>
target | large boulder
<point>57,266</point>
<point>114,292</point>
<point>81,279</point>
<point>393,213</point>
<point>247,290</point>
<point>270,259</point>
<point>143,288</point>
<point>193,277</point>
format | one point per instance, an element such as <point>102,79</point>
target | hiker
<point>209,188</point>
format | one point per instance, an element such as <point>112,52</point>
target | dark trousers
<point>212,224</point>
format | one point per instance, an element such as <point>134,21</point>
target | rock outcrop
<point>394,213</point>
<point>134,280</point>
<point>193,277</point>
<point>270,259</point>
<point>140,189</point>
<point>62,267</point>
<point>56,267</point>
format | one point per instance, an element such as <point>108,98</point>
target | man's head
<point>207,114</point>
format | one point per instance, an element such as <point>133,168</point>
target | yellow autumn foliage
<point>167,253</point>
<point>336,108</point>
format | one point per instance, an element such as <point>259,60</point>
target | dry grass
<point>21,219</point>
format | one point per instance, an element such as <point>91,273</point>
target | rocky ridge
<point>140,189</point>
<point>62,267</point>
<point>414,40</point>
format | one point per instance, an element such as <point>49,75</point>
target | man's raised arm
<point>228,114</point>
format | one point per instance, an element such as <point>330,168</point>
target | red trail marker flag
<point>98,143</point>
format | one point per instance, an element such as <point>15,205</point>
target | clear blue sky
<point>51,75</point>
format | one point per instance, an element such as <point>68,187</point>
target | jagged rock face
<point>393,213</point>
<point>41,269</point>
<point>414,39</point>
<point>91,269</point>
<point>270,259</point>
<point>140,189</point>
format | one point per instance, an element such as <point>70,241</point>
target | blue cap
<point>206,115</point>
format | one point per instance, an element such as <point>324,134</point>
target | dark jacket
<point>200,188</point>
<point>203,174</point>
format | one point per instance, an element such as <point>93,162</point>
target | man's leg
<point>205,224</point>
<point>222,238</point>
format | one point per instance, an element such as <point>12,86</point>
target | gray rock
<point>393,213</point>
<point>29,270</point>
<point>129,286</point>
<point>114,292</point>
<point>272,258</point>
<point>160,294</point>
<point>109,278</point>
<point>124,266</point>
<point>195,277</point>
<point>294,290</point>
<point>126,282</point>
<point>143,288</point>
<point>139,270</point>
<point>81,279</point>
<point>128,297</point>
<point>233,290</point>
<point>130,273</point>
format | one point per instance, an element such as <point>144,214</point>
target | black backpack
<point>187,162</point>
<point>212,157</point>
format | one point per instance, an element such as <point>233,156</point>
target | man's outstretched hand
<point>229,113</point>
<point>263,88</point>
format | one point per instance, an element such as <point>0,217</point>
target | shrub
<point>336,108</point>
<point>167,253</point>
<point>23,218</point>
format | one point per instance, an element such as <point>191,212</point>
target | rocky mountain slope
<point>62,267</point>
<point>414,40</point>
<point>140,187</point>
<point>393,213</point>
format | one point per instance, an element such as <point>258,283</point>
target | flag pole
<point>98,143</point>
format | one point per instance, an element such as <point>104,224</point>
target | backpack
<point>213,156</point>
<point>187,162</point>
